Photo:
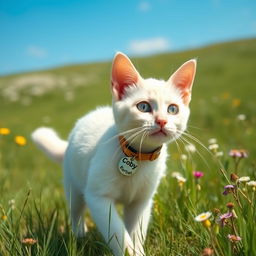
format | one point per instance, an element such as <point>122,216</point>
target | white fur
<point>90,171</point>
<point>91,175</point>
<point>49,142</point>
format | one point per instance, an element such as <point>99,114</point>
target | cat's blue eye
<point>144,107</point>
<point>173,109</point>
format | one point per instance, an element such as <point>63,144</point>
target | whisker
<point>131,138</point>
<point>190,136</point>
<point>142,138</point>
<point>176,140</point>
<point>122,134</point>
<point>194,139</point>
<point>188,152</point>
<point>197,141</point>
<point>194,127</point>
<point>197,151</point>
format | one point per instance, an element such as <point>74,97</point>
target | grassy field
<point>32,203</point>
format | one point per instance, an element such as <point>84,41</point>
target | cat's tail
<point>50,143</point>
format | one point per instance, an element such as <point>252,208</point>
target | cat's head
<point>150,112</point>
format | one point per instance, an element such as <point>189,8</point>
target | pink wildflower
<point>228,189</point>
<point>234,238</point>
<point>238,153</point>
<point>198,174</point>
<point>223,219</point>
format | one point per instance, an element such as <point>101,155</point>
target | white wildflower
<point>244,179</point>
<point>241,117</point>
<point>176,174</point>
<point>183,157</point>
<point>219,154</point>
<point>12,203</point>
<point>181,179</point>
<point>190,148</point>
<point>203,216</point>
<point>213,147</point>
<point>251,183</point>
<point>212,141</point>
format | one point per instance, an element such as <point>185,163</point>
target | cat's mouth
<point>159,132</point>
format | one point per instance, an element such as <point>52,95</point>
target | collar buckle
<point>129,151</point>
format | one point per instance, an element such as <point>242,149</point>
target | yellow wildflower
<point>4,131</point>
<point>206,223</point>
<point>225,95</point>
<point>204,218</point>
<point>20,140</point>
<point>4,217</point>
<point>236,103</point>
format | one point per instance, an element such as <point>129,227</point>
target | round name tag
<point>127,166</point>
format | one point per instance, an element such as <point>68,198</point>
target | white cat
<point>118,154</point>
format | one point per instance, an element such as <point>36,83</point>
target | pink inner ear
<point>123,74</point>
<point>183,79</point>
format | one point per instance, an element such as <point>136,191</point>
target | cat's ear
<point>123,74</point>
<point>183,79</point>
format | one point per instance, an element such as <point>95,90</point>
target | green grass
<point>223,89</point>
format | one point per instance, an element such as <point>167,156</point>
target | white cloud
<point>36,51</point>
<point>144,6</point>
<point>147,46</point>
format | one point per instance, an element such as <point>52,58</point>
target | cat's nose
<point>161,122</point>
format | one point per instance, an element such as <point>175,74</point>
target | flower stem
<point>224,174</point>
<point>237,161</point>
<point>215,243</point>
<point>235,194</point>
<point>243,194</point>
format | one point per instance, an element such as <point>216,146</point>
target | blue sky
<point>38,34</point>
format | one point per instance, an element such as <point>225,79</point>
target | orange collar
<point>129,151</point>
